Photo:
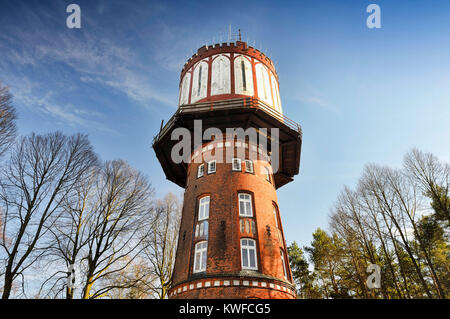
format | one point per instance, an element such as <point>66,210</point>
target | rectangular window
<point>245,205</point>
<point>248,166</point>
<point>236,164</point>
<point>267,171</point>
<point>280,238</point>
<point>201,229</point>
<point>203,208</point>
<point>200,256</point>
<point>211,167</point>
<point>200,170</point>
<point>199,80</point>
<point>275,215</point>
<point>244,82</point>
<point>248,254</point>
<point>284,264</point>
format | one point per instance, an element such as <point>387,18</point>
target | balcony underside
<point>243,113</point>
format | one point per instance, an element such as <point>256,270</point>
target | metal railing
<point>247,102</point>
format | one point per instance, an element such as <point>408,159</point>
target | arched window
<point>243,76</point>
<point>199,81</point>
<point>263,83</point>
<point>220,76</point>
<point>185,87</point>
<point>276,94</point>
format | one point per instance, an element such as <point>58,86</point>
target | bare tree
<point>8,129</point>
<point>433,178</point>
<point>101,232</point>
<point>69,235</point>
<point>149,274</point>
<point>123,210</point>
<point>379,182</point>
<point>349,221</point>
<point>375,224</point>
<point>8,116</point>
<point>133,282</point>
<point>161,243</point>
<point>41,171</point>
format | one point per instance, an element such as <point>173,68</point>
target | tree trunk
<point>7,286</point>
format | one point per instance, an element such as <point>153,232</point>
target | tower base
<point>233,288</point>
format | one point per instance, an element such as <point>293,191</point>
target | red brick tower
<point>231,242</point>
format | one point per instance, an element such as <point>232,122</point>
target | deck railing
<point>247,102</point>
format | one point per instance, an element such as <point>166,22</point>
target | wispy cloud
<point>94,59</point>
<point>313,98</point>
<point>108,64</point>
<point>29,93</point>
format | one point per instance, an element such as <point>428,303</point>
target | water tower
<point>231,242</point>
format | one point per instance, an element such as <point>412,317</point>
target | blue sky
<point>361,95</point>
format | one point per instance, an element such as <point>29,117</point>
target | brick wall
<point>225,233</point>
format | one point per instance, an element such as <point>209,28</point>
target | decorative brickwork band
<point>247,288</point>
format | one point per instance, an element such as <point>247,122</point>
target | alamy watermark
<point>374,279</point>
<point>229,144</point>
<point>374,19</point>
<point>74,19</point>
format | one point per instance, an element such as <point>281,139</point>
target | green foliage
<point>384,222</point>
<point>303,278</point>
<point>440,203</point>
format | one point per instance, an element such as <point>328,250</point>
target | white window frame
<point>204,229</point>
<point>247,201</point>
<point>248,249</point>
<point>201,229</point>
<point>203,207</point>
<point>268,173</point>
<point>238,166</point>
<point>248,165</point>
<point>200,256</point>
<point>210,167</point>
<point>201,170</point>
<point>275,215</point>
<point>283,261</point>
